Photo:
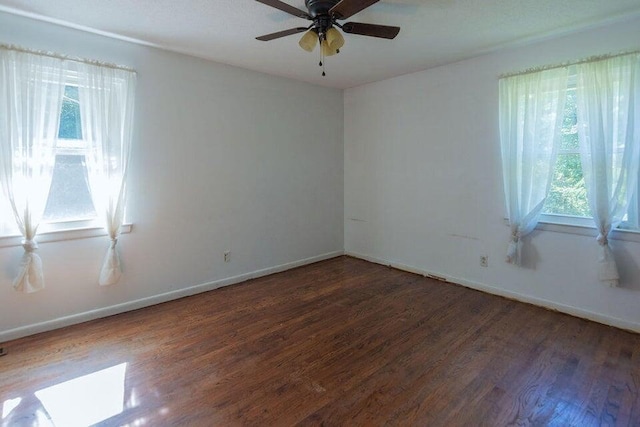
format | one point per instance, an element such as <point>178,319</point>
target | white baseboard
<point>573,311</point>
<point>61,322</point>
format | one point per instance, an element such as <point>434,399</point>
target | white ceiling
<point>434,32</point>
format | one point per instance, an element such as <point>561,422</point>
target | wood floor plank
<point>426,358</point>
<point>340,342</point>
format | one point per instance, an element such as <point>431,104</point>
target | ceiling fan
<point>325,15</point>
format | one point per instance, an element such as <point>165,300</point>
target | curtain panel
<point>531,107</point>
<point>608,95</point>
<point>32,86</point>
<point>106,105</point>
<point>31,91</point>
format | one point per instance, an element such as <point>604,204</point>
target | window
<point>568,193</point>
<point>570,151</point>
<point>69,195</point>
<point>567,200</point>
<point>65,135</point>
<point>69,203</point>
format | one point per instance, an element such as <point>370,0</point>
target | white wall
<point>232,159</point>
<point>224,158</point>
<point>423,183</point>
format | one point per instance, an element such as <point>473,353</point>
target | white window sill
<point>581,227</point>
<point>616,234</point>
<point>51,234</point>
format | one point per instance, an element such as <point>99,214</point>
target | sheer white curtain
<point>608,94</point>
<point>531,112</point>
<point>106,104</point>
<point>31,90</point>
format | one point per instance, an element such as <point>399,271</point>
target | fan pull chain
<point>323,59</point>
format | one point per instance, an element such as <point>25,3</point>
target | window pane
<point>7,220</point>
<point>69,196</point>
<point>70,125</point>
<point>569,131</point>
<point>633,214</point>
<point>568,194</point>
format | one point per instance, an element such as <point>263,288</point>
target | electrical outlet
<point>484,261</point>
<point>227,256</point>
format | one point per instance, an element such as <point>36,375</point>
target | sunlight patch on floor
<point>86,400</point>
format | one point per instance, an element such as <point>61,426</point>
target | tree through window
<point>568,193</point>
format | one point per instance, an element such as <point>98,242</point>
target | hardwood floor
<point>340,342</point>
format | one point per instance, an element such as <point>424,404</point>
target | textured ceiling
<point>434,32</point>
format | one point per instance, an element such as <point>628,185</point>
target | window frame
<point>64,229</point>
<point>70,147</point>
<point>570,223</point>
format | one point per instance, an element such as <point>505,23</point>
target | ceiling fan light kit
<point>334,39</point>
<point>309,41</point>
<point>324,14</point>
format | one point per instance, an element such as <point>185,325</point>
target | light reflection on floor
<point>9,406</point>
<point>82,401</point>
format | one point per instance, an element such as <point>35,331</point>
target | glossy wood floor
<point>341,342</point>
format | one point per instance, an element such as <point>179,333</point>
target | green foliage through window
<point>568,193</point>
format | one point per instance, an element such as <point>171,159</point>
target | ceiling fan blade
<point>371,30</point>
<point>286,8</point>
<point>347,8</point>
<point>279,34</point>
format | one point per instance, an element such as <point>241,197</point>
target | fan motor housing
<point>319,7</point>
